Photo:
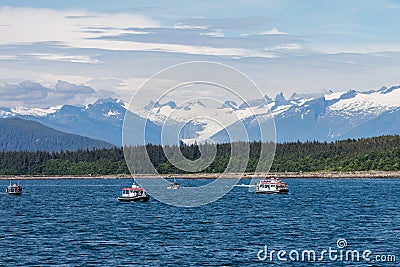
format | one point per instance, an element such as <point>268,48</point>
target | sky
<point>73,52</point>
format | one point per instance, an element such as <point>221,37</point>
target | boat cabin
<point>14,189</point>
<point>273,185</point>
<point>132,191</point>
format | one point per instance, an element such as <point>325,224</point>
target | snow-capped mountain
<point>342,115</point>
<point>332,116</point>
<point>101,120</point>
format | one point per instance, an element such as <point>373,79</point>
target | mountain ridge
<point>328,117</point>
<point>24,135</point>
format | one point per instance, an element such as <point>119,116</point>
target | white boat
<point>174,186</point>
<point>14,189</point>
<point>134,193</point>
<point>271,186</point>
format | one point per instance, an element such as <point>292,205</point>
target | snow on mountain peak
<point>102,101</point>
<point>365,100</point>
<point>5,113</point>
<point>332,95</point>
<point>38,112</point>
<point>230,104</point>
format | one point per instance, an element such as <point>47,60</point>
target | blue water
<point>81,223</point>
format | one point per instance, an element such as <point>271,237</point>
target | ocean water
<point>81,223</point>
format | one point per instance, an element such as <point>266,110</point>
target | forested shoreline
<point>369,154</point>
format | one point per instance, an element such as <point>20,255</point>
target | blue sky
<point>113,46</point>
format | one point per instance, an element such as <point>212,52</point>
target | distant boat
<point>174,186</point>
<point>134,193</point>
<point>14,189</point>
<point>271,186</point>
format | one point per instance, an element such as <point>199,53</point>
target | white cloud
<point>192,27</point>
<point>357,48</point>
<point>83,29</point>
<point>46,78</point>
<point>23,91</point>
<point>8,57</point>
<point>33,94</point>
<point>289,47</point>
<point>172,48</point>
<point>65,58</point>
<point>215,33</point>
<point>66,88</point>
<point>273,31</point>
<point>27,25</point>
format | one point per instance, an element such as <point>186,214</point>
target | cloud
<point>66,88</point>
<point>33,94</point>
<point>26,90</point>
<point>117,51</point>
<point>27,25</point>
<point>366,48</point>
<point>242,23</point>
<point>175,48</point>
<point>89,30</point>
<point>292,46</point>
<point>216,33</point>
<point>193,41</point>
<point>272,32</point>
<point>65,58</point>
<point>8,57</point>
<point>183,26</point>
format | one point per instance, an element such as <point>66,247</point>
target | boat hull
<point>173,187</point>
<point>14,190</point>
<point>272,192</point>
<point>134,199</point>
<point>15,193</point>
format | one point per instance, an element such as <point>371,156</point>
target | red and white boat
<point>134,193</point>
<point>271,186</point>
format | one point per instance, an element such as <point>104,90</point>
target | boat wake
<point>244,185</point>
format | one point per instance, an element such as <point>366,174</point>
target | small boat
<point>175,185</point>
<point>14,189</point>
<point>134,193</point>
<point>271,186</point>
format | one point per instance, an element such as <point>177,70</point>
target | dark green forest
<point>378,153</point>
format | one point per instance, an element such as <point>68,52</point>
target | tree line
<point>377,153</point>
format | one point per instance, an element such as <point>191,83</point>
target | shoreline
<point>300,175</point>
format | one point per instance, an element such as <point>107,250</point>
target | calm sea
<point>81,223</point>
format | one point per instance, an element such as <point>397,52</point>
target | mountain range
<point>329,117</point>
